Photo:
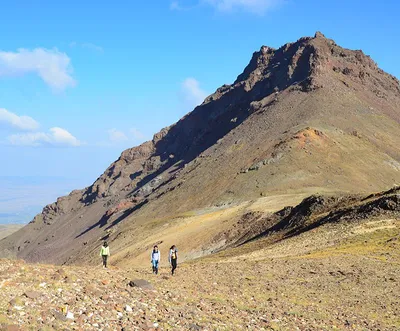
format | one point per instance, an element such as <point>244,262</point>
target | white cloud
<point>28,139</point>
<point>55,137</point>
<point>116,136</point>
<point>192,92</point>
<point>63,137</point>
<point>18,122</point>
<point>137,135</point>
<point>51,65</point>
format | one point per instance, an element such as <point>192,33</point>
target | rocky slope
<point>310,116</point>
<point>339,276</point>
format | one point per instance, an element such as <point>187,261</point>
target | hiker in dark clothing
<point>105,253</point>
<point>173,258</point>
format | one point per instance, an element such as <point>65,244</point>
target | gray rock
<point>141,283</point>
<point>32,294</point>
<point>59,316</point>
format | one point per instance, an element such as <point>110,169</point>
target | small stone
<point>61,272</point>
<point>128,309</point>
<point>70,316</point>
<point>59,316</point>
<point>16,302</point>
<point>32,294</point>
<point>56,277</point>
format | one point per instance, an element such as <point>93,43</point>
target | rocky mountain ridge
<point>310,115</point>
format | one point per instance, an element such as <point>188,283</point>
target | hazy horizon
<point>21,198</point>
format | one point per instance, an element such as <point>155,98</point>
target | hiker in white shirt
<point>155,259</point>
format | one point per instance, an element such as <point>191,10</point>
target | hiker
<point>105,253</point>
<point>173,258</point>
<point>155,259</point>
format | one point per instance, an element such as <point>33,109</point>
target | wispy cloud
<point>93,47</point>
<point>183,5</point>
<point>116,136</point>
<point>90,46</point>
<point>174,5</point>
<point>258,7</point>
<point>192,93</point>
<point>137,134</point>
<point>51,65</point>
<point>18,122</point>
<point>55,137</point>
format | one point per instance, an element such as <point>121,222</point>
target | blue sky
<point>81,81</point>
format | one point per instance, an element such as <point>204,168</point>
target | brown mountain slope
<point>309,116</point>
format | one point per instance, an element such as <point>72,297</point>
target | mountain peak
<point>319,34</point>
<point>266,50</point>
<point>311,61</point>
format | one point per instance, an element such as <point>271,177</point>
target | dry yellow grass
<point>194,231</point>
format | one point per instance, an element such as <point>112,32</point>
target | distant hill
<point>7,229</point>
<point>308,117</point>
<point>22,197</point>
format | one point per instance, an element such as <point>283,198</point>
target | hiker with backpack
<point>105,253</point>
<point>155,259</point>
<point>173,258</point>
